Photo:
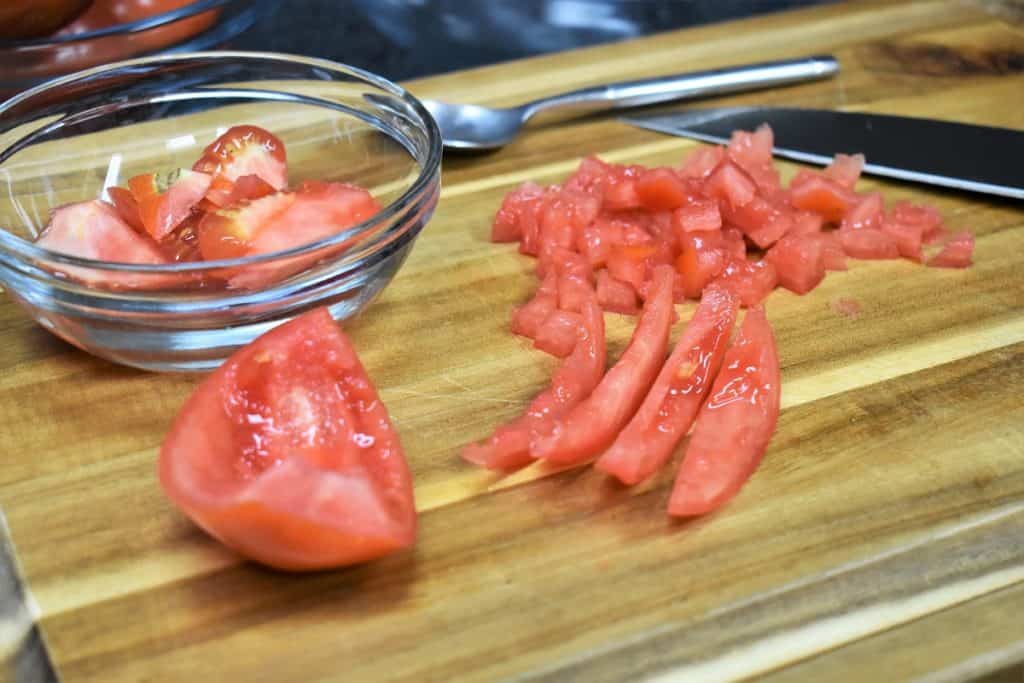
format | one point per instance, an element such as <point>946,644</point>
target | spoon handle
<point>689,85</point>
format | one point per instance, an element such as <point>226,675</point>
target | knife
<point>958,155</point>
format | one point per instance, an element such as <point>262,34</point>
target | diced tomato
<point>750,281</point>
<point>620,194</point>
<point>812,191</point>
<point>928,219</point>
<point>697,216</point>
<point>508,222</point>
<point>591,426</point>
<point>615,295</point>
<point>798,263</point>
<point>806,223</point>
<point>832,255</point>
<point>845,169</point>
<point>127,207</point>
<point>166,200</point>
<point>562,218</point>
<point>575,279</point>
<point>734,425</point>
<point>183,243</point>
<point>509,447</point>
<point>869,243</point>
<point>558,333</point>
<point>733,243</point>
<point>908,238</point>
<point>701,162</point>
<point>246,150</point>
<point>528,318</point>
<point>753,152</point>
<point>763,221</point>
<point>287,454</point>
<point>667,412</point>
<point>699,262</point>
<point>629,264</point>
<point>731,184</point>
<point>589,176</point>
<point>868,212</point>
<point>660,189</point>
<point>596,240</point>
<point>94,230</point>
<point>228,233</point>
<point>956,253</point>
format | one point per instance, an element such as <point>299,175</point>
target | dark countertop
<point>403,39</point>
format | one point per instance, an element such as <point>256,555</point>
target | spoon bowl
<point>469,126</point>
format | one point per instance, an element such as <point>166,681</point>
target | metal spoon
<point>469,127</point>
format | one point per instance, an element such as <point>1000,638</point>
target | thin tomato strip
<point>509,447</point>
<point>667,413</point>
<point>592,425</point>
<point>734,425</point>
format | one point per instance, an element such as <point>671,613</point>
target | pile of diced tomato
<point>233,203</point>
<point>721,229</point>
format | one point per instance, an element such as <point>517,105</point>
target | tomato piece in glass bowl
<point>287,455</point>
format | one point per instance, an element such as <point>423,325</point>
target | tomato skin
<point>591,426</point>
<point>287,455</point>
<point>509,447</point>
<point>667,412</point>
<point>734,425</point>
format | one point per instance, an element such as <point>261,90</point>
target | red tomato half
<point>287,454</point>
<point>509,447</point>
<point>665,416</point>
<point>735,424</point>
<point>591,426</point>
<point>246,150</point>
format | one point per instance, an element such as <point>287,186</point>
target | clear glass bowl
<point>198,25</point>
<point>69,139</point>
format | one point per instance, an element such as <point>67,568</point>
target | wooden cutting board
<point>883,537</point>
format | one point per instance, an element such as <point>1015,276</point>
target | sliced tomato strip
<point>734,425</point>
<point>509,447</point>
<point>591,426</point>
<point>667,412</point>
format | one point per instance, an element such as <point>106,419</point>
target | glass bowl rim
<point>25,249</point>
<point>137,26</point>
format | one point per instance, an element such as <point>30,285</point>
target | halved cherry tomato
<point>165,200</point>
<point>224,192</point>
<point>509,447</point>
<point>591,426</point>
<point>246,150</point>
<point>667,412</point>
<point>734,425</point>
<point>287,454</point>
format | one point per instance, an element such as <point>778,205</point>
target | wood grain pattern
<point>885,521</point>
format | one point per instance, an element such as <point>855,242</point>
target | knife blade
<point>944,153</point>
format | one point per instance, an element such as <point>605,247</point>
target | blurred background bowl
<point>71,138</point>
<point>42,39</point>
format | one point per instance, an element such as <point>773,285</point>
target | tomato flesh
<point>615,295</point>
<point>591,426</point>
<point>94,230</point>
<point>667,412</point>
<point>286,454</point>
<point>734,425</point>
<point>509,447</point>
<point>798,263</point>
<point>558,333</point>
<point>127,208</point>
<point>956,253</point>
<point>228,233</point>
